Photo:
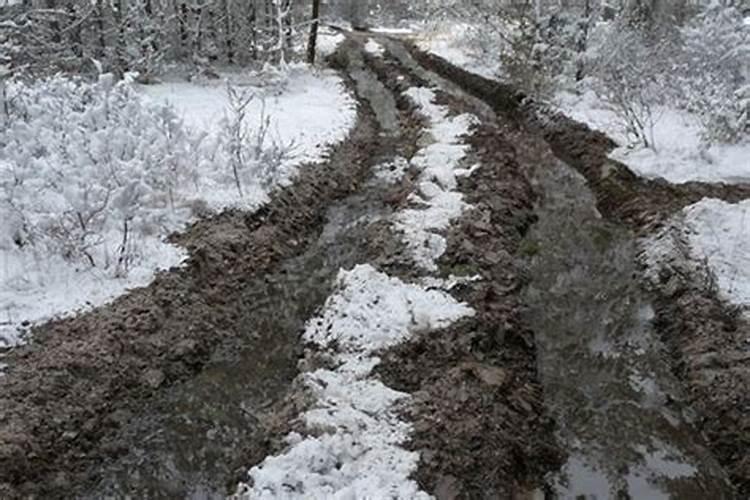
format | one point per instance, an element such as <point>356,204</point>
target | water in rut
<point>605,373</point>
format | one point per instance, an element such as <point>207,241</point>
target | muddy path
<point>570,379</point>
<point>159,393</point>
<point>687,328</point>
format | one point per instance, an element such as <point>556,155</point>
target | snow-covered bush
<point>631,79</point>
<point>86,170</point>
<point>714,71</point>
<point>253,153</point>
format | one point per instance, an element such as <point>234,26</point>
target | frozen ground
<point>678,156</point>
<point>307,108</point>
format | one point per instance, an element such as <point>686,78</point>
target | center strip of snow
<point>436,201</point>
<point>354,444</point>
<point>351,446</point>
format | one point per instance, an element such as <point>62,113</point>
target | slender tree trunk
<point>313,40</point>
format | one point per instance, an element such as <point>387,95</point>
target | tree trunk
<point>313,40</point>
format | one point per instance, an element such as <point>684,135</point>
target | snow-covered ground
<point>374,48</point>
<point>678,155</point>
<point>451,42</point>
<point>353,439</point>
<point>308,108</point>
<point>716,234</point>
<point>437,201</point>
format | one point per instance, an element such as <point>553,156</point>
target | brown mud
<point>479,420</point>
<point>707,338</point>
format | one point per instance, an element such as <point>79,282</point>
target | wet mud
<point>703,338</point>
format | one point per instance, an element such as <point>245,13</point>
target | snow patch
<point>719,233</point>
<point>709,240</point>
<point>37,288</point>
<point>374,48</point>
<point>354,449</point>
<point>679,155</point>
<point>328,42</point>
<point>392,171</point>
<point>436,200</point>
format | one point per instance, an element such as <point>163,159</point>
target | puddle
<point>604,370</point>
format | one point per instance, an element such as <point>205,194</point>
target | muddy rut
<point>571,379</point>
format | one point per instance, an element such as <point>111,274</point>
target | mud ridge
<point>479,420</point>
<point>708,338</point>
<point>69,389</point>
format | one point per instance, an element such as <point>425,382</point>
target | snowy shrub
<point>252,152</point>
<point>630,78</point>
<point>86,170</point>
<point>714,73</point>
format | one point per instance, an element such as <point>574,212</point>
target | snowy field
<point>92,185</point>
<point>306,109</point>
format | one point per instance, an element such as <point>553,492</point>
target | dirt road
<point>570,378</point>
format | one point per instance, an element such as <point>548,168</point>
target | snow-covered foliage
<point>630,77</point>
<point>715,73</point>
<point>354,437</point>
<point>87,170</point>
<point>140,35</point>
<point>94,176</point>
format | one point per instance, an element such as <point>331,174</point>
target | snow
<point>719,233</point>
<point>452,42</point>
<point>311,108</point>
<point>678,156</point>
<point>308,108</point>
<point>36,288</point>
<point>354,447</point>
<point>393,31</point>
<point>709,239</point>
<point>391,172</point>
<point>328,42</point>
<point>437,201</point>
<point>374,48</point>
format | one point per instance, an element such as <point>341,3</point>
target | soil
<point>177,388</point>
<point>706,337</point>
